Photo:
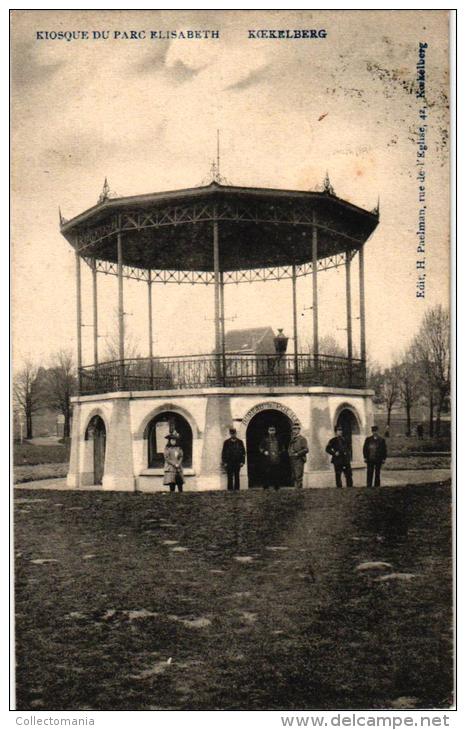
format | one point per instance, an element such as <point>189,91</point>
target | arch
<point>270,406</point>
<point>357,420</point>
<point>90,417</point>
<point>97,432</point>
<point>256,431</point>
<point>347,418</point>
<point>158,428</point>
<point>143,431</point>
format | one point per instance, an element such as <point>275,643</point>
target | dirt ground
<point>319,599</point>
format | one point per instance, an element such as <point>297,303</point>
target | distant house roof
<point>253,340</point>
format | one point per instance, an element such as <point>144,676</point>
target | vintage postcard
<point>231,361</point>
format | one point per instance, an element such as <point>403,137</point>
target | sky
<point>144,114</point>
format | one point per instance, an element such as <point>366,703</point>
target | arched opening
<point>256,431</point>
<point>96,432</point>
<point>349,423</point>
<point>160,426</point>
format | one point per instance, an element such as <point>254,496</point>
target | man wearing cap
<point>233,456</point>
<point>375,453</point>
<point>297,451</point>
<point>339,450</point>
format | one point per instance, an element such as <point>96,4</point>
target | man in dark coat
<point>297,451</point>
<point>233,456</point>
<point>271,450</point>
<point>340,451</point>
<point>375,453</point>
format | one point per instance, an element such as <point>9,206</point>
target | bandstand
<point>222,234</point>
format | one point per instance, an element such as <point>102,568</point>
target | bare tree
<point>409,384</point>
<point>59,385</point>
<point>432,346</point>
<point>112,348</point>
<point>328,345</point>
<point>390,390</point>
<point>137,365</point>
<point>27,393</point>
<point>375,378</point>
<point>427,389</point>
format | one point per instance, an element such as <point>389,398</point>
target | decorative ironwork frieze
<point>94,235</point>
<point>262,212</point>
<point>274,273</point>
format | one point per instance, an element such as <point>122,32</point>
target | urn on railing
<point>281,343</point>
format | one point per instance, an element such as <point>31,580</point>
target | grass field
<point>37,472</point>
<point>407,462</point>
<point>233,601</point>
<point>31,454</point>
<point>33,462</point>
<point>400,445</point>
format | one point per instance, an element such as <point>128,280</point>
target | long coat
<point>374,450</point>
<point>274,449</point>
<point>173,456</point>
<point>298,448</point>
<point>233,452</point>
<point>339,450</point>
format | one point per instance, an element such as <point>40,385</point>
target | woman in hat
<point>173,467</point>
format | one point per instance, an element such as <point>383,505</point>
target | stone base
<point>119,484</point>
<point>126,418</point>
<point>72,480</point>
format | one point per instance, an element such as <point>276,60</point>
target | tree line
<point>36,387</point>
<point>420,374</point>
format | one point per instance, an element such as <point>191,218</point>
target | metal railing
<point>203,371</point>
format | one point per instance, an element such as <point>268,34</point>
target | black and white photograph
<point>231,362</point>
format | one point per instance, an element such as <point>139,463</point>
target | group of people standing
<point>233,457</point>
<point>374,453</point>
<point>272,452</point>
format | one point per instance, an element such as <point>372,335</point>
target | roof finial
<point>215,167</point>
<point>214,172</point>
<point>104,195</point>
<point>327,186</point>
<point>61,218</point>
<point>376,210</point>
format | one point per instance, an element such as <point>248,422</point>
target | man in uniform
<point>297,451</point>
<point>340,452</point>
<point>233,455</point>
<point>375,453</point>
<point>271,451</point>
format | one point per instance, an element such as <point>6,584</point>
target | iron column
<point>218,344</point>
<point>295,324</point>
<point>121,314</point>
<point>315,311</point>
<point>362,304</point>
<point>95,314</point>
<point>149,304</point>
<point>222,324</point>
<point>78,314</point>
<point>349,329</point>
